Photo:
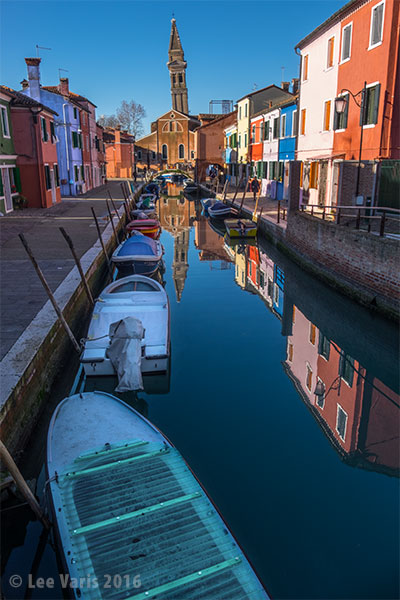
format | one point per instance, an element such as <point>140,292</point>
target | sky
<point>118,50</point>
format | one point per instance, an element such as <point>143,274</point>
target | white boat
<point>131,519</point>
<point>137,297</point>
<point>219,210</point>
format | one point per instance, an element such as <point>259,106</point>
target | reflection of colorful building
<point>210,245</point>
<point>360,416</point>
<point>175,215</point>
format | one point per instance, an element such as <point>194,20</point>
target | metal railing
<point>382,220</point>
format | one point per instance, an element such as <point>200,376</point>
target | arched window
<point>181,151</point>
<point>164,151</point>
<point>171,126</point>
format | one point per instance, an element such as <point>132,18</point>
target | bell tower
<point>177,70</point>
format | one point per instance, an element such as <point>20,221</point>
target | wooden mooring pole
<point>112,222</point>
<point>116,210</point>
<point>101,241</point>
<point>244,194</point>
<point>50,293</point>
<point>9,464</point>
<point>236,190</point>
<point>78,264</point>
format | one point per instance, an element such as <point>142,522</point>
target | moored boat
<point>149,227</point>
<point>128,510</point>
<point>219,210</point>
<point>135,296</point>
<point>139,254</point>
<point>241,228</point>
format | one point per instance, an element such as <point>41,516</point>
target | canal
<point>307,482</point>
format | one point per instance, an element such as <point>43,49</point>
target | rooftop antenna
<point>255,86</point>
<point>59,72</point>
<point>41,48</point>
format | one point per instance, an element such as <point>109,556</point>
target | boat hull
<point>149,365</point>
<point>242,229</point>
<point>118,487</point>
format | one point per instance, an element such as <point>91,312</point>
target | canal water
<point>308,483</point>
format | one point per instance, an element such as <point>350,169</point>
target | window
<point>346,368</point>
<point>327,115</point>
<point>294,123</point>
<point>240,112</point>
<point>324,346</point>
<point>275,134</point>
<point>320,399</point>
<point>253,134</point>
<point>56,175</point>
<point>181,151</point>
<point>245,140</point>
<point>376,33</point>
<point>82,174</point>
<point>266,130</point>
<point>192,154</point>
<point>75,113</point>
<point>261,279</point>
<point>303,122</point>
<point>80,141</point>
<point>76,171</point>
<point>47,177</point>
<point>309,377</point>
<point>45,136</point>
<point>245,110</point>
<point>314,175</point>
<point>180,78</point>
<point>173,79</point>
<point>290,352</point>
<point>340,119</point>
<point>164,152</point>
<point>271,169</point>
<point>346,42</point>
<point>139,155</point>
<point>52,132</point>
<point>305,67</point>
<point>281,166</point>
<point>283,126</point>
<point>4,122</point>
<point>240,141</point>
<point>329,57</point>
<point>313,333</point>
<point>153,155</point>
<point>74,139</point>
<point>341,422</point>
<point>369,115</point>
<point>171,126</point>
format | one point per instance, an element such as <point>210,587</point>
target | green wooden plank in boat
<point>136,513</point>
<point>171,585</point>
<point>117,463</point>
<point>127,446</point>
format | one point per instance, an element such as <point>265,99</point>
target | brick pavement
<point>21,293</point>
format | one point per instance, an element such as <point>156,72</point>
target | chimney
<point>285,85</point>
<point>24,84</point>
<point>33,77</point>
<point>63,86</point>
<point>295,85</point>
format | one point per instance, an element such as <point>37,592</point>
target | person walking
<point>255,187</point>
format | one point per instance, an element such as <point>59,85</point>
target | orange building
<point>210,142</point>
<point>119,152</point>
<point>369,48</point>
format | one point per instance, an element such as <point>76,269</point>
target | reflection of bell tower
<point>177,69</point>
<point>180,263</point>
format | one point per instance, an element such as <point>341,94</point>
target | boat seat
<point>93,355</point>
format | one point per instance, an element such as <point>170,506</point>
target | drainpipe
<point>66,145</point>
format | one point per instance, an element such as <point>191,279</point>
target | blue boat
<point>138,255</point>
<point>153,188</point>
<point>219,210</point>
<point>129,511</point>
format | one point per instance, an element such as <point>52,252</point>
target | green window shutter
<point>56,175</point>
<point>76,173</point>
<point>266,130</point>
<point>17,179</point>
<point>80,140</point>
<point>375,107</point>
<point>47,177</point>
<point>82,173</point>
<point>1,186</point>
<point>74,139</point>
<point>44,130</point>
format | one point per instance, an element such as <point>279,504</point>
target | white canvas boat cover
<point>125,353</point>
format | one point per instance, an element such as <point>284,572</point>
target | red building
<point>210,142</point>
<point>120,152</point>
<point>369,49</point>
<point>256,146</point>
<point>35,144</point>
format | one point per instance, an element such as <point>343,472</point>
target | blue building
<point>67,126</point>
<point>287,144</point>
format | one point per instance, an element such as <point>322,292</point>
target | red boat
<point>149,227</point>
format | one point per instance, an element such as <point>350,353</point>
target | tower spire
<point>177,70</point>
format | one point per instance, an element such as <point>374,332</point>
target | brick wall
<point>364,262</point>
<point>348,181</point>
